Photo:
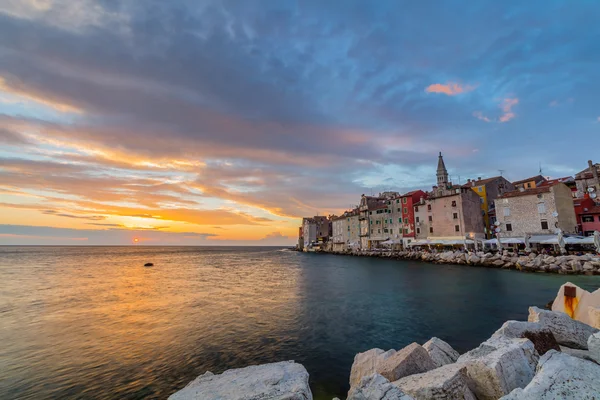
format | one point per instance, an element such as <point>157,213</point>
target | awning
<point>540,238</point>
<point>505,241</point>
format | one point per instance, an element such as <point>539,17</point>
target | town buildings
<point>405,204</point>
<point>541,210</point>
<point>587,181</point>
<point>346,231</point>
<point>488,190</point>
<point>588,215</point>
<point>373,221</point>
<point>529,183</point>
<point>315,231</point>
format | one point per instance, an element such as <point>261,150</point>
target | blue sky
<point>231,120</point>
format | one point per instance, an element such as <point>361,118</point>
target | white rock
<point>282,380</point>
<point>413,359</point>
<point>500,365</point>
<point>376,387</point>
<point>560,376</point>
<point>594,316</point>
<point>583,354</point>
<point>440,352</point>
<point>366,363</point>
<point>542,338</point>
<point>474,259</point>
<point>568,332</point>
<point>447,382</point>
<point>594,345</point>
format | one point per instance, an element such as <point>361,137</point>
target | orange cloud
<point>479,115</point>
<point>18,90</point>
<point>506,106</point>
<point>450,88</point>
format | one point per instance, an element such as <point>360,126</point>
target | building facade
<point>588,181</point>
<point>488,190</point>
<point>339,227</point>
<point>407,215</point>
<point>542,210</point>
<point>529,183</point>
<point>374,221</point>
<point>587,212</point>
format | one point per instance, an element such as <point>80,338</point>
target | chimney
<point>594,172</point>
<point>478,178</point>
<point>469,180</point>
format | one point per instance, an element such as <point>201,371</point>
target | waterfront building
<point>406,218</point>
<point>587,212</point>
<point>488,190</point>
<point>316,231</point>
<point>421,220</point>
<point>300,238</point>
<point>588,181</point>
<point>452,212</point>
<point>529,183</point>
<point>353,229</point>
<point>541,210</point>
<point>373,216</point>
<point>339,228</point>
<point>309,232</point>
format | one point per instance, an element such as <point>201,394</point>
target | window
<point>528,185</point>
<point>431,229</point>
<point>456,228</point>
<point>430,218</point>
<point>399,210</point>
<point>453,203</point>
<point>370,212</point>
<point>508,227</point>
<point>399,220</point>
<point>416,209</point>
<point>540,196</point>
<point>405,210</point>
<point>587,218</point>
<point>404,200</point>
<point>481,200</point>
<point>385,231</point>
<point>406,231</point>
<point>480,189</point>
<point>397,201</point>
<point>455,215</point>
<point>371,222</point>
<point>418,230</point>
<point>378,230</point>
<point>377,222</point>
<point>544,224</point>
<point>371,230</point>
<point>428,207</point>
<point>391,231</point>
<point>506,212</point>
<point>542,208</point>
<point>348,229</point>
<point>417,219</point>
<point>406,220</point>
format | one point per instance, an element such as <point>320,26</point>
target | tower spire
<point>442,172</point>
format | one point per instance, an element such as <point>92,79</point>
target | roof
<point>480,182</point>
<point>537,178</point>
<point>552,182</point>
<point>587,173</point>
<point>528,192</point>
<point>592,210</point>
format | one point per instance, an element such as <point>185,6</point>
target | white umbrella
<point>561,241</point>
<point>527,244</point>
<point>500,248</point>
<point>597,241</point>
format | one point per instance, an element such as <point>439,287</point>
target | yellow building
<point>529,183</point>
<point>489,190</point>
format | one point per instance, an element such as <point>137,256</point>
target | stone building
<point>309,232</point>
<point>374,215</point>
<point>488,190</point>
<point>300,238</point>
<point>536,211</point>
<point>316,231</point>
<point>451,212</point>
<point>421,220</point>
<point>339,229</point>
<point>587,181</point>
<point>406,219</point>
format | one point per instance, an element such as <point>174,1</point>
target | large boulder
<point>594,345</point>
<point>568,332</point>
<point>577,307</point>
<point>583,354</point>
<point>366,363</point>
<point>413,359</point>
<point>282,380</point>
<point>376,387</point>
<point>447,382</point>
<point>500,365</point>
<point>542,338</point>
<point>440,352</point>
<point>560,376</point>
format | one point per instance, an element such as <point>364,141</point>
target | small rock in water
<point>148,265</point>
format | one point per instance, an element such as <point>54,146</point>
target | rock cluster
<point>571,265</point>
<point>550,356</point>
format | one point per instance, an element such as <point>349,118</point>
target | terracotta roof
<point>552,182</point>
<point>593,210</point>
<point>537,178</point>
<point>480,182</point>
<point>528,192</point>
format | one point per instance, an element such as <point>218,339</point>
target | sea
<point>95,323</point>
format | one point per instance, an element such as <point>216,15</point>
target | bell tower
<point>442,173</point>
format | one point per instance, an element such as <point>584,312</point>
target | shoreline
<point>586,264</point>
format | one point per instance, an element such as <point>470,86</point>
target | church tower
<point>442,173</point>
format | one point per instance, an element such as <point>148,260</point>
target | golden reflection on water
<point>98,315</point>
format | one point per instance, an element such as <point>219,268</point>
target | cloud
<point>507,105</point>
<point>554,103</point>
<point>450,89</point>
<point>480,116</point>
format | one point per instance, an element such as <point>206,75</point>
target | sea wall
<point>587,264</point>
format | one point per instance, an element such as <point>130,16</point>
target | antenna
<point>541,168</point>
<point>501,171</point>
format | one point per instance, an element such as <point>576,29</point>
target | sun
<point>135,240</point>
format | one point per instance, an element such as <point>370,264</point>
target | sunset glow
<point>225,123</point>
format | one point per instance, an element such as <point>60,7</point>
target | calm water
<point>92,322</point>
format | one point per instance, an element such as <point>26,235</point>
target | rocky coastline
<point>586,264</point>
<point>550,356</point>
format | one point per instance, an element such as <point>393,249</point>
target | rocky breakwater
<point>569,264</point>
<point>550,356</point>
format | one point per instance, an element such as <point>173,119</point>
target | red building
<point>407,202</point>
<point>588,215</point>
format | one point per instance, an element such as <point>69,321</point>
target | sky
<point>225,122</point>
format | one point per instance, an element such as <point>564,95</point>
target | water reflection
<point>94,323</point>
